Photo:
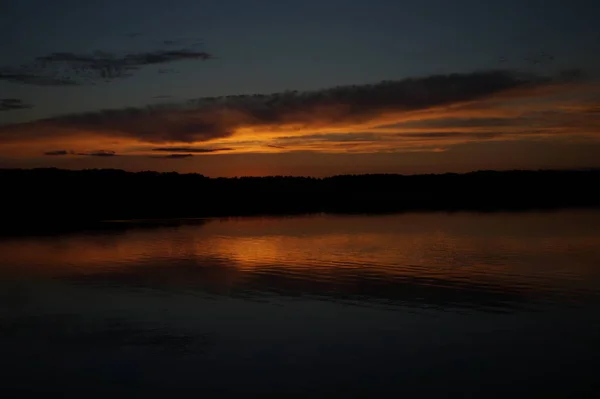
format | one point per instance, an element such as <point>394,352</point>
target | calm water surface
<point>417,304</point>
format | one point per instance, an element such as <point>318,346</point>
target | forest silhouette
<point>54,198</point>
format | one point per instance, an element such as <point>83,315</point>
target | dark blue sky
<point>271,45</point>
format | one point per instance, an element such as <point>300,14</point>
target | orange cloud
<point>420,114</point>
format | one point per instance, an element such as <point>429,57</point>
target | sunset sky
<point>281,87</point>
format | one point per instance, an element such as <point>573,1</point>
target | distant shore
<point>55,199</point>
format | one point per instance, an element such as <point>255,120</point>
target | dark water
<point>417,304</point>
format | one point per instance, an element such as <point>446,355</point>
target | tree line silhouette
<point>52,198</point>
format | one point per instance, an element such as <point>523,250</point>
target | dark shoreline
<point>53,200</point>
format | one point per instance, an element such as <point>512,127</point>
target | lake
<point>418,304</point>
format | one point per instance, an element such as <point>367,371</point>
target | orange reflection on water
<point>511,252</point>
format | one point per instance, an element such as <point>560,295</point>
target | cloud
<point>452,135</point>
<point>165,56</point>
<point>96,153</point>
<point>99,153</point>
<point>374,142</point>
<point>10,104</point>
<point>67,68</point>
<point>347,137</point>
<point>211,118</point>
<point>175,156</point>
<point>404,115</point>
<point>191,149</point>
<point>57,152</point>
<point>472,122</point>
<point>29,78</point>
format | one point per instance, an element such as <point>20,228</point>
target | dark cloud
<point>99,153</point>
<point>57,152</point>
<point>454,122</point>
<point>175,156</point>
<point>375,137</point>
<point>346,137</point>
<point>161,57</point>
<point>525,122</point>
<point>23,77</point>
<point>99,65</point>
<point>9,104</point>
<point>211,118</point>
<point>96,153</point>
<point>67,68</point>
<point>102,59</point>
<point>162,96</point>
<point>191,149</point>
<point>453,135</point>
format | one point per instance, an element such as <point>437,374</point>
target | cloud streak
<point>95,153</point>
<point>191,149</point>
<point>57,153</point>
<point>175,156</point>
<point>209,118</point>
<point>27,76</point>
<point>68,68</point>
<point>98,153</point>
<point>416,113</point>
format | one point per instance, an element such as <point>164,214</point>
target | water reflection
<point>481,261</point>
<point>421,303</point>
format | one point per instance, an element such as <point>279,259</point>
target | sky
<point>265,87</point>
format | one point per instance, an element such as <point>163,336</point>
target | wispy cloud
<point>95,153</point>
<point>405,115</point>
<point>174,156</point>
<point>26,75</point>
<point>191,149</point>
<point>10,104</point>
<point>57,152</point>
<point>209,118</point>
<point>68,68</point>
<point>99,153</point>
